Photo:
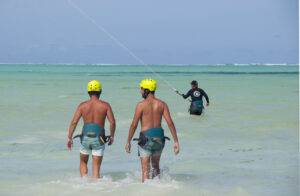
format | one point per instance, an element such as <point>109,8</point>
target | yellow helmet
<point>94,85</point>
<point>149,84</point>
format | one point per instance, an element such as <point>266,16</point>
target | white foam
<point>129,185</point>
<point>263,64</point>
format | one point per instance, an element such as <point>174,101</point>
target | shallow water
<point>246,143</point>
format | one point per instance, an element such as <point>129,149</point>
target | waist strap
<point>198,103</point>
<point>153,134</point>
<point>138,139</point>
<point>93,130</point>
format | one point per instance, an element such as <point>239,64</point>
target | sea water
<point>245,143</point>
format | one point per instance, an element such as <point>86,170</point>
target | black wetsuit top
<point>196,94</point>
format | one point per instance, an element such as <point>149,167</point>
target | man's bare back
<point>95,111</point>
<point>152,111</point>
<point>92,138</point>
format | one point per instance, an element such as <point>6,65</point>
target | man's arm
<point>133,126</point>
<point>206,97</point>
<point>72,127</point>
<point>112,122</point>
<point>187,94</point>
<point>172,128</point>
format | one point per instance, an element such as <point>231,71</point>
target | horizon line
<point>179,64</point>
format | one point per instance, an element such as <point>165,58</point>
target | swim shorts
<point>147,153</point>
<point>151,142</point>
<point>91,144</point>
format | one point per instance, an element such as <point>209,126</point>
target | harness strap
<point>167,138</point>
<point>103,140</point>
<point>138,139</point>
<point>80,137</point>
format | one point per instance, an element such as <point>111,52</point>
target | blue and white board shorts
<point>91,144</point>
<point>148,153</point>
<point>154,144</point>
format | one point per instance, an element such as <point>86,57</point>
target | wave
<point>192,73</point>
<point>124,184</point>
<point>263,64</point>
<point>169,73</point>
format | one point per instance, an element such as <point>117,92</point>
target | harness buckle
<point>156,138</point>
<point>91,134</point>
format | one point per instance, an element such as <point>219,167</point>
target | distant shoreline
<point>108,64</point>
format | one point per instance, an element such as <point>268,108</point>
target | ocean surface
<point>246,142</point>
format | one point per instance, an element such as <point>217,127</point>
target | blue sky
<point>158,32</point>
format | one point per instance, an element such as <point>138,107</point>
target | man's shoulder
<point>83,103</point>
<point>104,103</point>
<point>141,103</point>
<point>144,102</point>
<point>161,102</point>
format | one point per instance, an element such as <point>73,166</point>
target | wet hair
<point>97,93</point>
<point>147,92</point>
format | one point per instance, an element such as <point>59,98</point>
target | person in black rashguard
<point>196,94</point>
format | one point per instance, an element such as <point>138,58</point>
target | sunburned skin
<point>150,112</point>
<point>92,111</point>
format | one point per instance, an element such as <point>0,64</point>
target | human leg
<point>155,165</point>
<point>145,161</point>
<point>83,164</point>
<point>97,160</point>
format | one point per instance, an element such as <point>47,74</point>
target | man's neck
<point>150,96</point>
<point>94,97</point>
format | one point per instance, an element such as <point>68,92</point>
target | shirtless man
<point>93,139</point>
<point>151,141</point>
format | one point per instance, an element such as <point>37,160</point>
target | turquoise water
<point>246,143</point>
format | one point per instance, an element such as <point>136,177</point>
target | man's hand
<point>176,148</point>
<point>207,104</point>
<point>111,140</point>
<point>127,147</point>
<point>179,93</point>
<point>70,144</point>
